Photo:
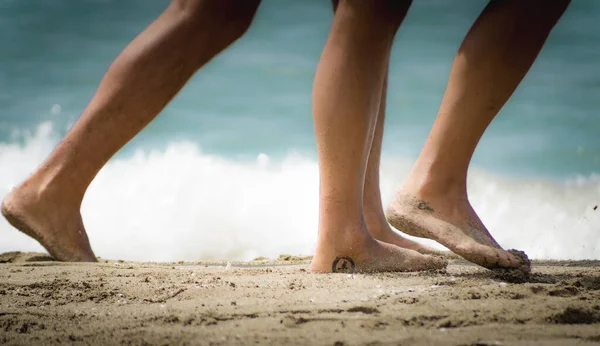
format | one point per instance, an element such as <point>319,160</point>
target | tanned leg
<point>346,100</point>
<point>136,87</point>
<point>375,219</point>
<point>494,57</point>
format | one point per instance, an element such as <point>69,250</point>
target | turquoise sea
<point>228,170</point>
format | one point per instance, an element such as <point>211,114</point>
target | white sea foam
<point>182,204</point>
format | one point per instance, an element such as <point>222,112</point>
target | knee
<point>226,20</point>
<point>541,14</point>
<point>392,7</point>
<point>391,11</point>
<point>550,11</point>
<point>381,13</point>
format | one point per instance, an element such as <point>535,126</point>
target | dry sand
<point>280,303</point>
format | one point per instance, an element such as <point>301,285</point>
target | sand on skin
<point>278,302</point>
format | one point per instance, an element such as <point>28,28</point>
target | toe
<point>501,259</point>
<point>508,260</point>
<point>428,262</point>
<point>439,263</point>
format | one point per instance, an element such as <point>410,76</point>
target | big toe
<point>507,260</point>
<point>434,263</point>
<point>489,257</point>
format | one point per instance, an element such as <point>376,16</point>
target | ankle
<point>344,239</point>
<point>49,188</point>
<point>430,185</point>
<point>376,223</point>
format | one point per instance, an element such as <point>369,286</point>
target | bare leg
<point>374,215</point>
<point>377,225</point>
<point>493,59</point>
<point>140,82</point>
<point>346,98</point>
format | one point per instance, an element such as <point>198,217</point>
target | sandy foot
<point>58,228</point>
<point>364,254</point>
<point>387,235</point>
<point>457,227</point>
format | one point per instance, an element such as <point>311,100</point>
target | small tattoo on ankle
<point>343,264</point>
<point>424,206</point>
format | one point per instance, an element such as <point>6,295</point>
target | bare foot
<point>383,232</point>
<point>361,253</point>
<point>55,225</point>
<point>454,225</point>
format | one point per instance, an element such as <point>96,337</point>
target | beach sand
<point>279,302</point>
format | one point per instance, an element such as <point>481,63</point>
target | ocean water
<point>228,170</point>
